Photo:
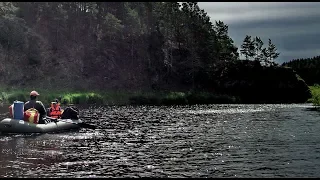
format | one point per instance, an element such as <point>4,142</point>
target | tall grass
<point>9,95</point>
<point>315,91</point>
<point>82,98</point>
<point>47,96</point>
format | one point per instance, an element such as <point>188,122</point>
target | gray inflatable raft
<point>9,125</point>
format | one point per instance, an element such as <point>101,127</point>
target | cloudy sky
<point>294,27</point>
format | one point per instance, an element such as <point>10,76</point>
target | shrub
<point>93,98</point>
<point>315,91</point>
<point>17,96</point>
<point>175,98</point>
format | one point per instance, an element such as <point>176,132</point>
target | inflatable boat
<point>9,125</point>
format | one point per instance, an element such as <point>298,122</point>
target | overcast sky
<point>294,27</point>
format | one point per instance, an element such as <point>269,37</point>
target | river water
<point>181,141</point>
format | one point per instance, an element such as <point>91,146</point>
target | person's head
<point>33,95</point>
<point>54,104</point>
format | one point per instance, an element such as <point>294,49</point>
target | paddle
<point>82,124</point>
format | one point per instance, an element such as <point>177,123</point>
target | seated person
<point>38,105</point>
<point>55,110</point>
<point>70,113</point>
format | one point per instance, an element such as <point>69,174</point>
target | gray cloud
<point>231,12</point>
<point>292,26</point>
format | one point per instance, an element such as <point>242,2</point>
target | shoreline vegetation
<point>68,97</point>
<point>315,91</point>
<point>118,97</point>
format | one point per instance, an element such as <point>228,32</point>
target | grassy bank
<point>315,90</point>
<point>67,96</point>
<point>8,95</point>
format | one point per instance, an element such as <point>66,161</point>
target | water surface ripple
<point>180,141</point>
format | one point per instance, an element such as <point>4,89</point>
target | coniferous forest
<point>159,46</point>
<point>307,68</point>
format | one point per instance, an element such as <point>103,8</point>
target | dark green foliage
<point>47,98</point>
<point>174,98</point>
<point>315,90</point>
<point>259,84</point>
<point>19,96</point>
<point>65,101</point>
<point>78,99</point>
<point>144,100</point>
<point>210,98</point>
<point>12,32</point>
<point>94,98</point>
<point>81,98</point>
<point>307,68</point>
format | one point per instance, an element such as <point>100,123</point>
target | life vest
<point>55,112</point>
<point>11,110</point>
<point>32,116</point>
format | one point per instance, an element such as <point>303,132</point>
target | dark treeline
<point>113,44</point>
<point>307,68</point>
<point>128,46</point>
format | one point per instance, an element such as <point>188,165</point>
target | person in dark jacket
<point>38,105</point>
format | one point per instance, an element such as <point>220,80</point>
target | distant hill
<point>307,68</point>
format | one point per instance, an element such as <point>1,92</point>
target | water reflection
<point>181,141</point>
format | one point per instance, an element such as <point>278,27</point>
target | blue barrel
<point>18,109</point>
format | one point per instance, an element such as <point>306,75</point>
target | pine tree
<point>270,53</point>
<point>258,49</point>
<point>247,47</point>
<point>225,48</point>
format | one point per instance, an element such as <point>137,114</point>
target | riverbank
<point>8,95</point>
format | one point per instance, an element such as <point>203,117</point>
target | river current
<point>261,140</point>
